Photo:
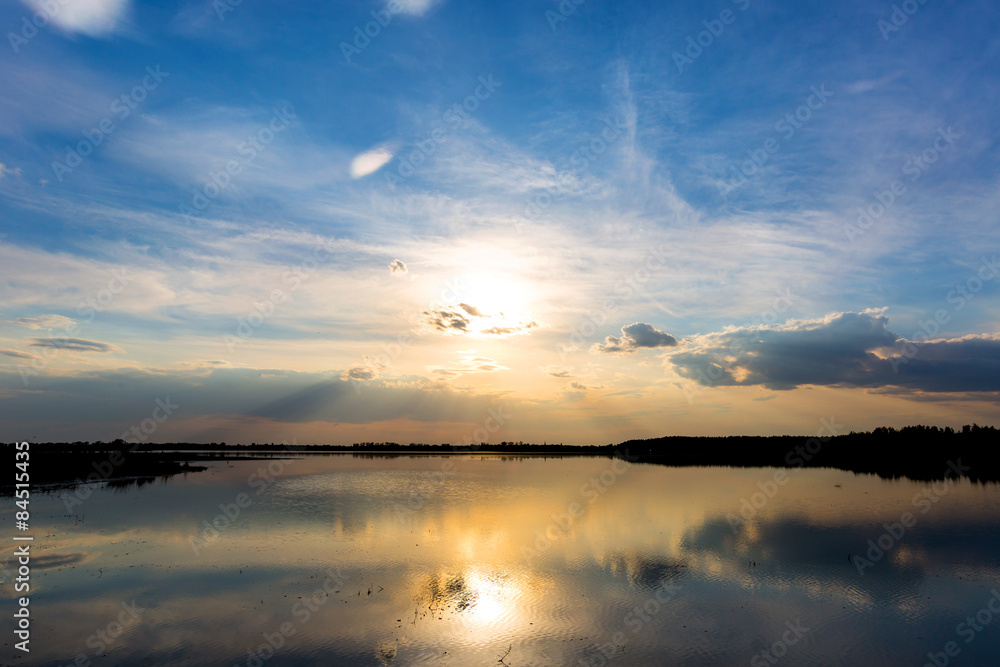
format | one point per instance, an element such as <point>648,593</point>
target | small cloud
<point>471,310</point>
<point>95,18</point>
<point>201,364</point>
<point>579,386</point>
<point>75,345</point>
<point>866,85</point>
<point>635,336</point>
<point>559,371</point>
<point>466,365</point>
<point>4,170</point>
<point>397,266</point>
<point>371,161</point>
<point>449,321</point>
<point>373,368</point>
<point>509,331</point>
<point>358,373</point>
<point>468,319</point>
<point>42,322</point>
<point>413,7</point>
<point>16,354</point>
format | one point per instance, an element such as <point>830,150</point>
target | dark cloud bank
<point>843,350</point>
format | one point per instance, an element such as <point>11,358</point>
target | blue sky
<point>611,220</point>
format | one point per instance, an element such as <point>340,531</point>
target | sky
<point>442,221</point>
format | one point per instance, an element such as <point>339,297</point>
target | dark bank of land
<point>53,466</point>
<point>916,452</point>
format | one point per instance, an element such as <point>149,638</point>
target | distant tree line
<point>918,452</point>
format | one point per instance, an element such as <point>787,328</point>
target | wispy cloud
<point>7,171</point>
<point>75,345</point>
<point>16,354</point>
<point>94,18</point>
<point>413,7</point>
<point>42,322</point>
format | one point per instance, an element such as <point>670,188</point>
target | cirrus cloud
<point>16,354</point>
<point>41,322</point>
<point>75,345</point>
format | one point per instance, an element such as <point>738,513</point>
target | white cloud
<point>4,170</point>
<point>96,18</point>
<point>413,7</point>
<point>370,161</point>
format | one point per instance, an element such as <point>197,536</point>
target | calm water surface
<point>459,560</point>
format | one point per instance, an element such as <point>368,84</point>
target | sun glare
<point>492,598</point>
<point>492,295</point>
<point>496,303</point>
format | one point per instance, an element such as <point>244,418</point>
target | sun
<point>493,296</point>
<point>496,304</point>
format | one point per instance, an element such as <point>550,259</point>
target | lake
<point>470,559</point>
